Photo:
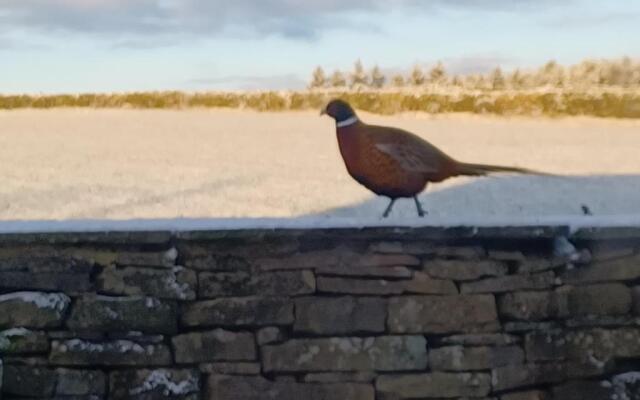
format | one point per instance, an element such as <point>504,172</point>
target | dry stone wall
<point>387,313</point>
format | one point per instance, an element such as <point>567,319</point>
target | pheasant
<point>395,163</point>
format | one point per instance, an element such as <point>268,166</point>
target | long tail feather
<point>483,169</point>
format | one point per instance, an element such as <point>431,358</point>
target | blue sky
<point>49,46</point>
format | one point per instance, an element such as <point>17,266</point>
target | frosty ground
<point>123,164</point>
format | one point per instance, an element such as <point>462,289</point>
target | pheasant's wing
<point>410,151</point>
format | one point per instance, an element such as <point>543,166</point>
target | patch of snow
<point>150,302</point>
<point>625,386</point>
<point>120,346</point>
<point>180,289</point>
<point>53,301</point>
<point>13,332</point>
<point>162,379</point>
<point>111,313</point>
<point>171,254</point>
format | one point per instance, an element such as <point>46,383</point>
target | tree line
<point>624,73</point>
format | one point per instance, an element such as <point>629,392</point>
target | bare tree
<point>358,76</point>
<point>437,74</point>
<point>417,76</point>
<point>318,79</point>
<point>377,78</point>
<point>337,79</point>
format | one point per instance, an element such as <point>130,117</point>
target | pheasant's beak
<point>323,112</point>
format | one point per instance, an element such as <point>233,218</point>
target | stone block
<point>244,283</point>
<point>533,306</point>
<point>434,385</point>
<point>510,283</point>
<point>123,314</point>
<point>233,312</point>
<point>442,314</point>
<point>216,345</point>
<point>220,387</point>
<point>167,283</point>
<point>382,353</point>
<point>507,377</point>
<point>76,352</point>
<point>604,299</point>
<point>460,270</point>
<point>154,384</point>
<point>33,310</point>
<point>459,358</point>
<point>340,315</point>
<point>66,274</point>
<point>23,341</point>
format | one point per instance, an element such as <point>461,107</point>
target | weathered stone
<point>359,286</point>
<point>336,377</point>
<point>246,311</point>
<point>459,270</point>
<point>396,272</point>
<point>582,390</point>
<point>222,387</point>
<point>23,341</point>
<point>109,237</point>
<point>480,339</point>
<point>506,255</point>
<point>243,283</point>
<point>340,315</point>
<point>510,283</point>
<point>508,377</point>
<point>458,358</point>
<point>517,327</point>
<point>33,309</point>
<point>68,275</point>
<point>253,245</point>
<point>153,384</point>
<point>423,284</point>
<point>413,248</point>
<point>108,314</point>
<point>602,321</point>
<point>532,306</point>
<point>442,314</point>
<point>595,346</point>
<point>460,252</point>
<point>529,395</point>
<point>165,258</point>
<point>623,269</point>
<point>113,353</point>
<point>533,265</point>
<point>434,385</point>
<point>624,386</point>
<point>603,299</point>
<point>216,345</point>
<point>28,381</point>
<point>136,336</point>
<point>72,382</point>
<point>231,368</point>
<point>270,334</point>
<point>383,353</point>
<point>212,262</point>
<point>636,300</point>
<point>167,283</point>
<point>338,257</point>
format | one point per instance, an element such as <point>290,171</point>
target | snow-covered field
<point>122,164</point>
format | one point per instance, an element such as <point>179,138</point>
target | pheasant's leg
<point>421,212</point>
<point>388,210</point>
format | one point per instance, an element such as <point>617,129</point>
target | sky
<point>71,46</point>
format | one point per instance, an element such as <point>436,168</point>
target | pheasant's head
<point>339,110</point>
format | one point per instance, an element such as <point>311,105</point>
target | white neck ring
<point>347,122</point>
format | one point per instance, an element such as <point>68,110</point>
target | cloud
<point>288,18</point>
